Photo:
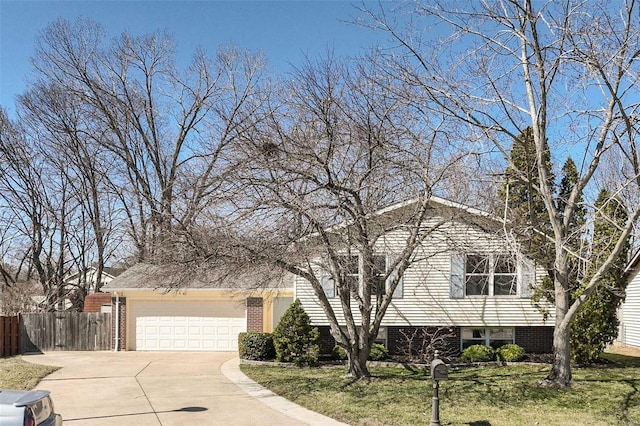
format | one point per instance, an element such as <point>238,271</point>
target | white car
<point>27,408</point>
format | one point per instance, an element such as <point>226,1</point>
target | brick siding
<point>255,314</point>
<point>399,339</point>
<point>535,340</point>
<point>93,302</point>
<point>532,339</point>
<point>121,344</point>
<point>327,343</point>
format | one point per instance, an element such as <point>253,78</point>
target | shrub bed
<point>479,353</point>
<point>256,346</point>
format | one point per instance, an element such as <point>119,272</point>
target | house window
<point>494,337</point>
<point>381,337</point>
<point>351,267</point>
<point>490,275</point>
<point>379,286</point>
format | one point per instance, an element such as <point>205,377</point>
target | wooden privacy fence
<point>65,331</point>
<point>9,336</point>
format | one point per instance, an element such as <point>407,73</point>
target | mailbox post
<point>438,372</point>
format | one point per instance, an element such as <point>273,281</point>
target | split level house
<point>466,277</point>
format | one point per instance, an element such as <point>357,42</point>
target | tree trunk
<point>560,374</point>
<point>357,360</point>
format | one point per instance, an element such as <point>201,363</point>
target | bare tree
<point>67,134</point>
<point>310,182</point>
<point>567,70</point>
<point>165,128</point>
<point>36,196</point>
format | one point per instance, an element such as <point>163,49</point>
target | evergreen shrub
<point>294,338</point>
<point>479,353</point>
<point>256,346</point>
<point>378,352</point>
<point>510,352</point>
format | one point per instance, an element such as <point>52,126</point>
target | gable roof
<point>444,203</point>
<point>397,213</point>
<point>107,272</point>
<point>173,277</point>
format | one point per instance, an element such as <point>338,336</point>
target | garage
<point>187,326</point>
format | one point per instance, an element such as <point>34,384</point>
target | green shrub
<point>338,352</point>
<point>479,353</point>
<point>256,346</point>
<point>378,352</point>
<point>295,339</point>
<point>510,352</point>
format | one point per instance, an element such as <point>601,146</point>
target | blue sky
<point>283,30</point>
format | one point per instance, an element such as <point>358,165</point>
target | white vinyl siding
<point>630,314</point>
<point>426,289</point>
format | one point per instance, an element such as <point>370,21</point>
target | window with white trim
<point>494,337</point>
<point>490,275</point>
<point>379,284</point>
<point>352,267</point>
<point>381,337</point>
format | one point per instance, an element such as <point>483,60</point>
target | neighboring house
<point>466,277</point>
<point>162,308</point>
<point>86,280</point>
<point>629,313</point>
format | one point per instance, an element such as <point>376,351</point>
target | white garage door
<point>188,326</point>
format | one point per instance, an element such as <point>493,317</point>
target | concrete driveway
<point>162,388</point>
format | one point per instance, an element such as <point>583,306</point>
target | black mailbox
<point>439,370</point>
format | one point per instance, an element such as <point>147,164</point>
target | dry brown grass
<point>18,374</point>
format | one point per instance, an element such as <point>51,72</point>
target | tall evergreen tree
<point>575,238</point>
<point>521,197</point>
<point>596,323</point>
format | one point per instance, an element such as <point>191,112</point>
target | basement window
<point>494,337</point>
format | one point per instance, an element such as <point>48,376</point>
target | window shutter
<point>456,288</point>
<point>526,277</point>
<point>328,285</point>
<point>398,293</point>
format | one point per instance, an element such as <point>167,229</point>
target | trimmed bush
<point>510,352</point>
<point>479,353</point>
<point>256,346</point>
<point>338,352</point>
<point>295,339</point>
<point>378,352</point>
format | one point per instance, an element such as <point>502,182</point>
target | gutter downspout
<point>117,341</point>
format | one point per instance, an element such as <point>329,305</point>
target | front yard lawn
<point>477,396</point>
<point>18,374</point>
